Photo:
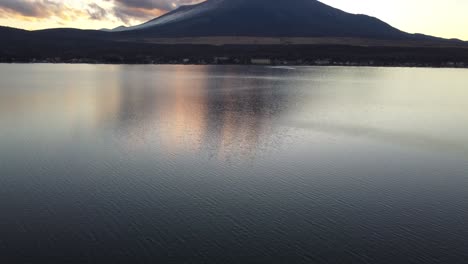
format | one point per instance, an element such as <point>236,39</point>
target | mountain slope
<point>272,18</point>
<point>298,30</point>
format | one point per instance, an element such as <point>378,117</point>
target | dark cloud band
<point>27,8</point>
<point>127,10</point>
<point>164,5</point>
<point>124,10</point>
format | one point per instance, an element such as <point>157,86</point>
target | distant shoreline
<point>353,53</point>
<point>279,66</point>
<point>286,41</point>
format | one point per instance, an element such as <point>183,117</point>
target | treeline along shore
<point>242,54</point>
<point>76,50</point>
<point>251,54</point>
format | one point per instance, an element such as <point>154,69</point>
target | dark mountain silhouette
<point>266,18</point>
<point>282,30</point>
<point>247,18</point>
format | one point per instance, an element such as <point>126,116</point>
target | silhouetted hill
<point>292,31</point>
<point>273,18</point>
<point>7,33</point>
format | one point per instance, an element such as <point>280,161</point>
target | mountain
<point>244,18</point>
<point>265,18</point>
<point>12,33</point>
<point>119,28</point>
<point>301,31</point>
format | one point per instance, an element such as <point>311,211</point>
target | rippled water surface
<point>195,164</point>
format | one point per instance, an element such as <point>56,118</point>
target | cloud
<point>25,8</point>
<point>127,10</point>
<point>96,12</point>
<point>128,14</point>
<point>67,11</point>
<point>163,5</point>
<point>38,9</point>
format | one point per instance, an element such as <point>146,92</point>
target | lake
<point>233,164</point>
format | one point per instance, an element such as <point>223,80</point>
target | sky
<point>433,17</point>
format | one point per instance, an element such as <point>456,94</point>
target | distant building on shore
<point>260,61</point>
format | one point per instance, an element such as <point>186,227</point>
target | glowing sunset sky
<point>433,17</point>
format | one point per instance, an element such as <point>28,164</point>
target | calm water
<point>228,164</point>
